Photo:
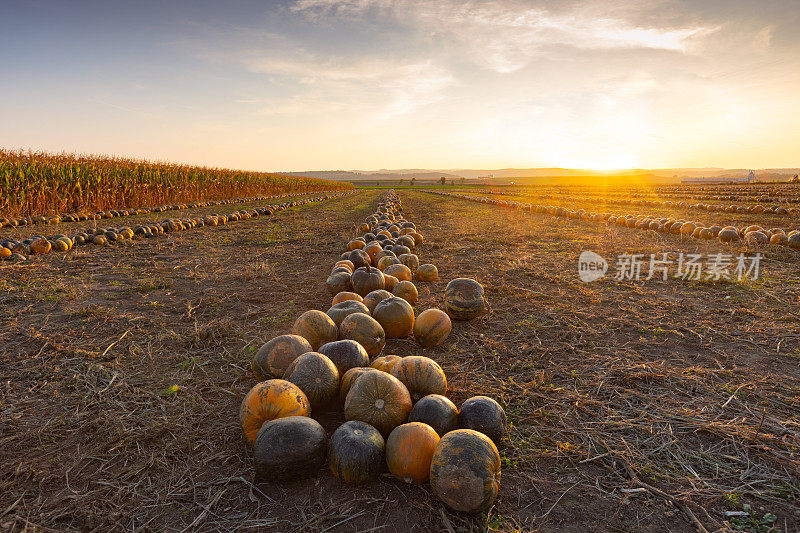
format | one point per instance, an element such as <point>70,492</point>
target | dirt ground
<point>633,406</point>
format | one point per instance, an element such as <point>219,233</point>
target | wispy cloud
<point>505,36</point>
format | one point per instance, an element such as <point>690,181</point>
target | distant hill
<point>532,175</point>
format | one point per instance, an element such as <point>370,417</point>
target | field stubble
<point>123,371</point>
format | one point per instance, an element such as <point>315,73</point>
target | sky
<point>374,84</point>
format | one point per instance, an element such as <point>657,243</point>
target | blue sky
<point>326,84</point>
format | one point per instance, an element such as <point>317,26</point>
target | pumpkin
<point>340,311</point>
<point>339,282</point>
<point>317,377</point>
<point>372,250</point>
<point>483,414</point>
<point>418,239</point>
<point>350,377</point>
<point>463,299</point>
<point>345,354</point>
<point>407,291</point>
<point>274,357</point>
<point>367,279</point>
<point>465,471</point>
<point>359,258</point>
<point>396,317</point>
<point>345,296</point>
<point>365,330</point>
<point>379,399</point>
<point>289,448</point>
<point>60,246</point>
<point>5,253</point>
<point>316,327</point>
<point>728,235</point>
<point>793,241</point>
<point>387,261</point>
<point>268,400</point>
<point>356,244</point>
<point>390,282</point>
<point>386,363</point>
<point>432,327</point>
<point>381,255</point>
<point>401,272</point>
<point>437,411</point>
<point>411,261</point>
<point>426,273</point>
<point>420,375</point>
<point>355,452</point>
<point>409,450</point>
<point>778,238</point>
<point>41,247</point>
<point>345,263</point>
<point>407,241</point>
<point>372,299</point>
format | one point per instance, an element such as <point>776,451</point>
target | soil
<point>633,406</point>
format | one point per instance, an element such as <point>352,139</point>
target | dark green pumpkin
<point>345,354</point>
<point>437,411</point>
<point>289,448</point>
<point>338,282</point>
<point>341,310</point>
<point>316,376</point>
<point>483,414</point>
<point>464,299</point>
<point>356,452</point>
<point>465,471</point>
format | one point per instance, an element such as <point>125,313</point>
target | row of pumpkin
<point>651,202</point>
<point>13,222</point>
<point>753,235</point>
<point>397,414</point>
<point>14,250</point>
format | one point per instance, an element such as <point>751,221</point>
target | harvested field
<point>651,406</point>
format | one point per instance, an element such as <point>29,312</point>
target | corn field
<point>38,183</point>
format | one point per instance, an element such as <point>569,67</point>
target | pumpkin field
<point>312,357</point>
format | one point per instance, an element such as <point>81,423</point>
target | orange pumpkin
<point>390,282</point>
<point>432,327</point>
<point>316,327</point>
<point>465,471</point>
<point>401,272</point>
<point>372,250</point>
<point>346,263</point>
<point>396,317</point>
<point>268,400</point>
<point>386,363</point>
<point>317,377</point>
<point>378,399</point>
<point>420,375</point>
<point>426,273</point>
<point>344,296</point>
<point>275,356</point>
<point>407,291</point>
<point>365,330</point>
<point>409,451</point>
<point>356,244</point>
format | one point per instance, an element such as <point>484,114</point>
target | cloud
<point>506,36</point>
<point>384,88</point>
